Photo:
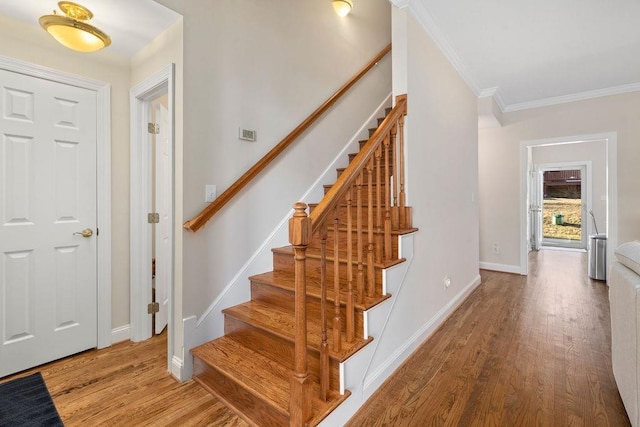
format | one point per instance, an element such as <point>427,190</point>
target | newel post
<point>299,237</point>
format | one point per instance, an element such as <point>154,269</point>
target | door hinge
<point>153,307</point>
<point>153,128</point>
<point>153,218</point>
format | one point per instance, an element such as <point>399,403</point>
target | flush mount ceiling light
<point>342,7</point>
<point>73,30</point>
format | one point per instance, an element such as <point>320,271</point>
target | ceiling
<point>525,53</point>
<point>533,53</point>
<point>131,24</point>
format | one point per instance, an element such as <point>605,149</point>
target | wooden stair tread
<point>282,323</point>
<point>315,254</point>
<point>286,280</point>
<point>258,374</point>
<point>261,376</point>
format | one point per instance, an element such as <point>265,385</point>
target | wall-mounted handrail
<point>207,213</point>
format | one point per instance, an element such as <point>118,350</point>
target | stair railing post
<point>300,400</point>
<point>387,201</point>
<point>337,320</point>
<point>324,344</point>
<point>395,211</point>
<point>404,213</point>
<point>350,318</point>
<point>359,238</point>
<point>370,241</point>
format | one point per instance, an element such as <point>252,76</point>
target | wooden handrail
<point>207,213</point>
<point>346,179</point>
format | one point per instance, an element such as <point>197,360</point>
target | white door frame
<point>141,231</point>
<point>103,183</point>
<point>611,141</point>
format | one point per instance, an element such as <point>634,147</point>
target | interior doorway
<point>601,190</point>
<point>152,207</point>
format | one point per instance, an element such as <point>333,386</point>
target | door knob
<point>87,232</point>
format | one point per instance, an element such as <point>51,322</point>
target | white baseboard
<point>176,368</point>
<point>121,333</point>
<point>375,380</point>
<point>504,268</point>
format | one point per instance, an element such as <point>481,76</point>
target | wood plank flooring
<point>520,351</point>
<point>128,385</point>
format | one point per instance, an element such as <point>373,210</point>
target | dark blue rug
<point>26,402</point>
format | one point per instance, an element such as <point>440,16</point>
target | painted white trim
<point>400,4</point>
<point>581,96</point>
<point>375,380</point>
<point>175,368</point>
<point>121,333</point>
<point>140,204</point>
<point>503,268</point>
<point>103,183</point>
<point>611,139</point>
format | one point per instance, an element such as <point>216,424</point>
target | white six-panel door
<point>47,194</point>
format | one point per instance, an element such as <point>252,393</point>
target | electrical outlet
<point>447,282</point>
<point>210,193</point>
<point>496,248</point>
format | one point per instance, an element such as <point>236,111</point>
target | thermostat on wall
<point>247,134</point>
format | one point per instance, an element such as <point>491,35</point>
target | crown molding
<point>598,93</point>
<point>496,93</point>
<point>400,4</point>
<point>423,16</point>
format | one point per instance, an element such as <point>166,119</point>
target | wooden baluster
<point>395,211</point>
<point>336,283</point>
<point>299,236</point>
<point>387,204</point>
<point>402,204</point>
<point>324,345</point>
<point>359,236</point>
<point>350,310</point>
<point>370,242</point>
<point>378,237</point>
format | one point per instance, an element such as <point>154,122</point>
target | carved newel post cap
<point>300,226</point>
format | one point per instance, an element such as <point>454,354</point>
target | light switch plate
<point>210,193</point>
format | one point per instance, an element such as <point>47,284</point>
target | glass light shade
<point>71,31</point>
<point>342,7</point>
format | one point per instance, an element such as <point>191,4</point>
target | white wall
<point>265,66</point>
<point>442,179</point>
<point>31,44</point>
<point>441,153</point>
<point>499,169</point>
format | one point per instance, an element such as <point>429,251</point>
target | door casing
<point>103,183</point>
<point>141,204</point>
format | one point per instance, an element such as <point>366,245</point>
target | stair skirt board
<point>361,378</point>
<point>210,325</point>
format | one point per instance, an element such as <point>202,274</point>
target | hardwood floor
<point>520,351</point>
<point>128,385</point>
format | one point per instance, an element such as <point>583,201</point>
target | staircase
<point>279,361</point>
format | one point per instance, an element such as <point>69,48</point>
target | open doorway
<point>152,207</point>
<point>595,157</point>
